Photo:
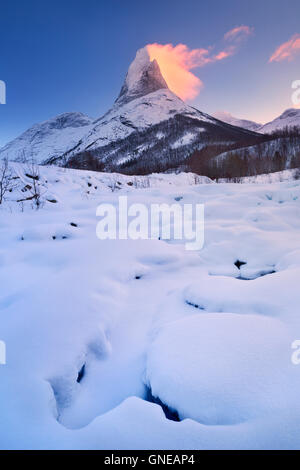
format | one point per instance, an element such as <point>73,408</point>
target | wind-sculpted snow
<point>221,369</point>
<point>102,335</point>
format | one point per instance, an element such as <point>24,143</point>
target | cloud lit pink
<point>287,51</point>
<point>238,33</point>
<point>176,62</point>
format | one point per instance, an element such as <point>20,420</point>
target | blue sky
<point>72,55</point>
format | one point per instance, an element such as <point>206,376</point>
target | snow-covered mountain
<point>290,118</point>
<point>244,123</point>
<point>49,139</point>
<point>148,128</point>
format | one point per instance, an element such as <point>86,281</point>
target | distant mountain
<point>244,123</point>
<point>148,129</point>
<point>290,118</point>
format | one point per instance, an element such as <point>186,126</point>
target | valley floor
<point>123,344</point>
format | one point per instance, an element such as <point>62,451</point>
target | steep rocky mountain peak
<point>143,77</point>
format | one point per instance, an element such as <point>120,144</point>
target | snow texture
<point>90,326</point>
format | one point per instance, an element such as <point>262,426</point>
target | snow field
<point>90,326</point>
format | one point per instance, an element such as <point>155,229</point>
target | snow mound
<point>220,368</point>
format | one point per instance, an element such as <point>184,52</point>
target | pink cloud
<point>287,50</point>
<point>176,62</point>
<point>238,33</point>
<point>228,52</point>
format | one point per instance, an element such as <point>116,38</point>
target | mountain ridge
<point>230,119</point>
<point>289,118</point>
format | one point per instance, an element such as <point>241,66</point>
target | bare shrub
<point>7,179</point>
<point>32,172</point>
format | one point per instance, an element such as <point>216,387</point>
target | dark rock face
<point>151,80</point>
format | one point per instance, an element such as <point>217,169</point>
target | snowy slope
<point>290,118</point>
<point>268,178</point>
<point>244,123</point>
<point>100,333</point>
<point>137,115</point>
